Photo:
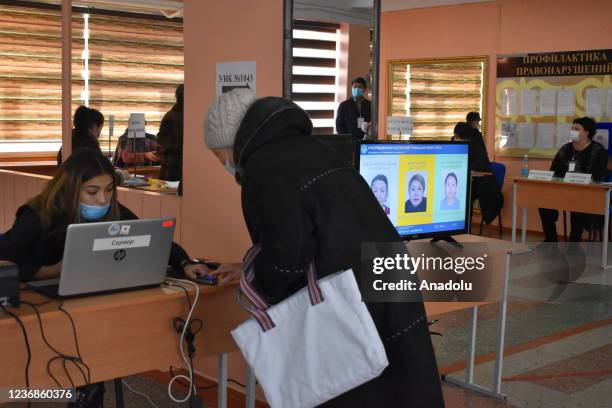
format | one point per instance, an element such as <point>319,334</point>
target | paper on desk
<point>509,105</point>
<point>546,136</point>
<point>508,134</point>
<point>528,102</point>
<point>526,135</point>
<point>594,102</point>
<point>548,99</point>
<point>563,130</point>
<point>566,102</point>
<point>609,102</point>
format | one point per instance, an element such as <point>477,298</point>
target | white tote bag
<point>313,346</point>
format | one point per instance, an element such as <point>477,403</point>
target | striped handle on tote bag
<point>258,305</point>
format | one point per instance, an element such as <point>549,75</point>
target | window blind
<point>120,64</point>
<point>134,65</point>
<point>436,95</point>
<point>30,79</point>
<point>315,72</point>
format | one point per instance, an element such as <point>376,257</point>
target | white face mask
<point>229,166</point>
<point>574,135</point>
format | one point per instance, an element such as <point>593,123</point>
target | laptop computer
<point>106,257</point>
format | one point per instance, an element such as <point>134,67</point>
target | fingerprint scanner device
<point>105,257</point>
<point>207,280</point>
<point>9,284</point>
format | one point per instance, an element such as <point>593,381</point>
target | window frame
<point>484,59</point>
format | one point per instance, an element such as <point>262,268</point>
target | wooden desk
<point>151,171</point>
<point>119,334</point>
<point>559,195</point>
<point>499,253</point>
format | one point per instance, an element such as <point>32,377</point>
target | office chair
<point>499,172</point>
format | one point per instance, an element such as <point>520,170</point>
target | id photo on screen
<point>416,192</point>
<point>380,188</point>
<point>450,192</point>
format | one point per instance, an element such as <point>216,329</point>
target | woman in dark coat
<point>301,201</point>
<point>170,140</point>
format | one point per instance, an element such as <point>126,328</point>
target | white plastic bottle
<point>525,167</point>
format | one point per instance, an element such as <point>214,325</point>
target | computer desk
<point>119,334</point>
<point>585,198</point>
<point>128,333</point>
<point>499,253</point>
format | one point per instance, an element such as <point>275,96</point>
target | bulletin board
<point>539,95</point>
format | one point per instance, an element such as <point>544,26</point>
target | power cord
<point>27,344</point>
<point>187,359</point>
<point>77,361</point>
<point>142,394</point>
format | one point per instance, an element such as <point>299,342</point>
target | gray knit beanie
<point>224,117</point>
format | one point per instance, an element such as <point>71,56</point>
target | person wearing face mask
<point>84,189</point>
<point>302,203</point>
<point>581,155</point>
<point>355,114</point>
<point>88,124</point>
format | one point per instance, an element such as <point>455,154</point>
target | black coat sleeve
<point>557,164</point>
<point>599,170</point>
<point>19,241</point>
<point>278,222</point>
<point>341,127</point>
<point>177,253</point>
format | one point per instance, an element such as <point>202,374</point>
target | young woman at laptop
<point>83,190</point>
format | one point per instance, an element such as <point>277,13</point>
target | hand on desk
<point>227,272</point>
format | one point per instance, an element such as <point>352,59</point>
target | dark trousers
<point>578,221</point>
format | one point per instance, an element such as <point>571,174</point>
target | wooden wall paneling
<point>133,201</point>
<point>151,205</point>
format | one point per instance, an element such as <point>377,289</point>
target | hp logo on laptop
<point>364,149</point>
<point>119,255</point>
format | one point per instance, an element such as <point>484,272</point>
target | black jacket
<point>347,115</point>
<point>30,245</point>
<point>592,160</point>
<point>78,143</point>
<point>170,139</point>
<point>302,201</point>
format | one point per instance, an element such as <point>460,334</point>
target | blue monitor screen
<point>422,187</point>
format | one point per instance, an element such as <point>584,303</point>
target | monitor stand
<point>449,239</point>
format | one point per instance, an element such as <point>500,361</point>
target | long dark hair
<point>59,201</point>
<point>84,118</point>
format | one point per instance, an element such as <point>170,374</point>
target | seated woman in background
<point>581,155</point>
<point>170,139</point>
<point>83,190</point>
<point>136,152</point>
<point>88,124</point>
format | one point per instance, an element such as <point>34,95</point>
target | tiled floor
<point>558,353</point>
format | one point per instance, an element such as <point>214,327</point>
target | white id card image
<point>572,166</point>
<point>360,122</point>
